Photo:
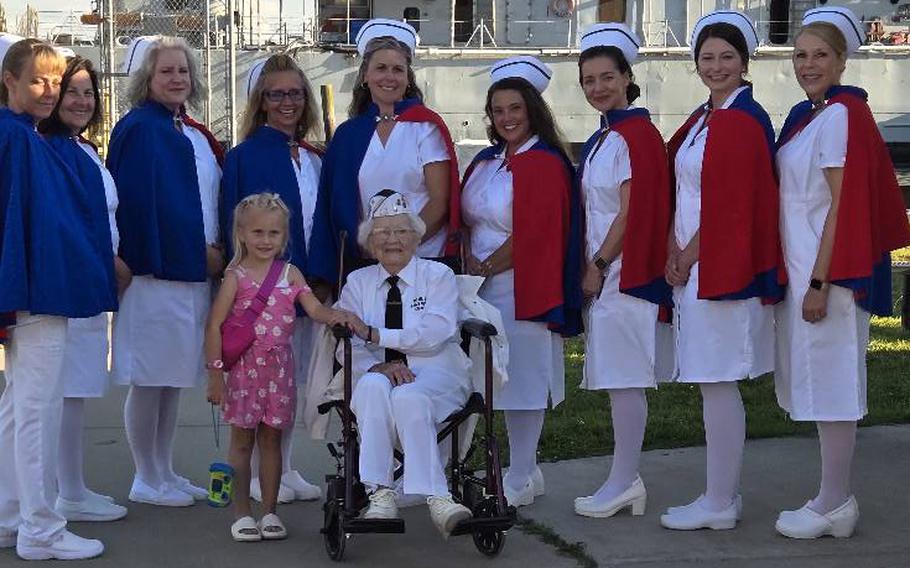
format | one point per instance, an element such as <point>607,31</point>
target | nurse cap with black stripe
<point>525,67</point>
<point>612,34</point>
<point>733,17</point>
<point>382,27</point>
<point>844,20</point>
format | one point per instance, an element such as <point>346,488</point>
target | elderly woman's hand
<point>350,321</point>
<point>397,372</point>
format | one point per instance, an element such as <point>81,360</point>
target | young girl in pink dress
<point>259,397</point>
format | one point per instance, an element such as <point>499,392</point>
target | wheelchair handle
<point>341,332</point>
<point>478,328</point>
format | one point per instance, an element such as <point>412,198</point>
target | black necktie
<point>394,318</point>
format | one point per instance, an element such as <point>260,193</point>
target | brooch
<point>419,303</point>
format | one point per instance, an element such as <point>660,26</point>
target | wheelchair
<point>346,495</point>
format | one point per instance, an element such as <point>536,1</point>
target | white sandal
<point>245,529</point>
<point>271,527</point>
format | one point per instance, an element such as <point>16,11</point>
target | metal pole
<point>452,28</point>
<point>207,44</point>
<point>481,32</point>
<point>110,31</point>
<point>328,111</point>
<point>348,20</point>
<point>231,75</point>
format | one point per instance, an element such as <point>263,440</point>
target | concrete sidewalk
<point>778,474</point>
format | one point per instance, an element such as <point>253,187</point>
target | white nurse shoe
<point>635,497</point>
<point>696,516</point>
<point>90,510</point>
<point>738,501</point>
<point>806,523</point>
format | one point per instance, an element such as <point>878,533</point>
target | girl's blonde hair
<point>268,202</point>
<point>21,54</point>
<point>139,89</point>
<point>254,116</point>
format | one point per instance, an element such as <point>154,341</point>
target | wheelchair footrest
<point>470,526</point>
<point>357,525</point>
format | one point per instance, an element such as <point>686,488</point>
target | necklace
<point>386,117</point>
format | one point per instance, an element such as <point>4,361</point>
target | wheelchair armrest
<point>341,332</point>
<point>326,407</point>
<point>477,328</point>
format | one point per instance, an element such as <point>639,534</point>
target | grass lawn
<point>581,427</point>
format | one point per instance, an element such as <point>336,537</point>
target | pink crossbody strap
<point>258,304</point>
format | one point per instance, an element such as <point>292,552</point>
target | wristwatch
<point>817,284</point>
<point>600,263</point>
<point>216,364</point>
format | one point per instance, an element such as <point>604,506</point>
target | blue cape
<point>259,164</point>
<point>50,259</point>
<point>338,206</point>
<point>160,212</point>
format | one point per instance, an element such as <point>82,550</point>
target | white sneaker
<point>382,505</point>
<point>536,480</point>
<point>90,510</point>
<point>194,491</point>
<point>806,523</point>
<point>67,547</point>
<point>164,496</point>
<point>446,513</point>
<point>8,540</point>
<point>303,489</point>
<point>89,494</point>
<point>696,516</point>
<point>520,498</point>
<point>285,494</point>
<point>635,496</point>
<point>738,501</point>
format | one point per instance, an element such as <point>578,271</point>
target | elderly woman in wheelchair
<point>409,372</point>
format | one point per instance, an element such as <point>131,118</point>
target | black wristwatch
<point>817,284</point>
<point>600,263</point>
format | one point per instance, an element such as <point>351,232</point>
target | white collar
<point>408,274</point>
<point>523,148</point>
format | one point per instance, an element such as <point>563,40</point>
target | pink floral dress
<point>260,387</point>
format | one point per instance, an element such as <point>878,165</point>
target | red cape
<point>214,144</point>
<point>739,254</point>
<point>420,113</point>
<point>871,218</point>
<point>644,250</point>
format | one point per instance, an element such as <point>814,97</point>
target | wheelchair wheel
<point>488,541</point>
<point>333,526</point>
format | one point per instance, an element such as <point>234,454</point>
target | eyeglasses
<point>296,95</point>
<point>387,234</point>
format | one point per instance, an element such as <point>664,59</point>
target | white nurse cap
<point>6,42</point>
<point>525,67</point>
<point>388,203</point>
<point>612,34</point>
<point>733,17</point>
<point>253,77</point>
<point>382,27</point>
<point>845,21</point>
<point>65,52</point>
<point>136,53</point>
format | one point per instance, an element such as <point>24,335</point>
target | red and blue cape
<point>547,237</point>
<point>739,252</point>
<point>644,249</point>
<point>262,163</point>
<point>160,211</point>
<point>871,219</point>
<point>51,261</point>
<point>338,206</point>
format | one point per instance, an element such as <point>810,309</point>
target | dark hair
<point>727,32</point>
<point>612,52</point>
<point>53,125</point>
<point>539,115</point>
<point>361,97</point>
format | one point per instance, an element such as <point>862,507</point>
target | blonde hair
<point>828,33</point>
<point>139,89</point>
<point>267,202</point>
<point>254,116</point>
<point>361,97</point>
<point>24,52</point>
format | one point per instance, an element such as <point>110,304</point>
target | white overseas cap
<point>253,77</point>
<point>844,20</point>
<point>525,67</point>
<point>733,17</point>
<point>6,42</point>
<point>382,27</point>
<point>612,34</point>
<point>388,203</point>
<point>137,52</point>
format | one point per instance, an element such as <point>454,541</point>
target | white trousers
<point>409,413</point>
<point>30,411</point>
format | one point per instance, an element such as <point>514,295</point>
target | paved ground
<point>778,473</point>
